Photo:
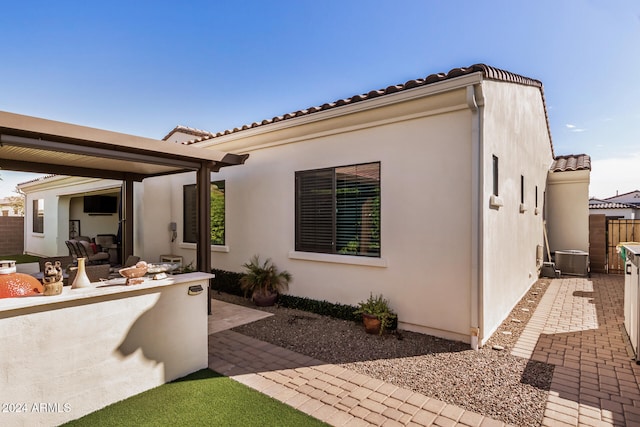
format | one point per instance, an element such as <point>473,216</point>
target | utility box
<point>572,262</point>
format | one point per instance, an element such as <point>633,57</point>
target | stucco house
<point>8,207</point>
<point>431,192</point>
<point>620,206</point>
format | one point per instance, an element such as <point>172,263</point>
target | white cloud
<point>609,176</point>
<point>574,128</point>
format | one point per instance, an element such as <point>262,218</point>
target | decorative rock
<point>524,309</point>
<point>516,320</point>
<point>530,301</point>
<point>506,332</point>
<point>498,347</point>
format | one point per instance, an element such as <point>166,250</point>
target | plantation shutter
<point>357,212</point>
<point>315,207</point>
<point>189,229</point>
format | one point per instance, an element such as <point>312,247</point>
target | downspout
<point>475,101</point>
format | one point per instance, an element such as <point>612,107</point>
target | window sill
<point>40,235</point>
<point>339,259</point>
<point>214,248</point>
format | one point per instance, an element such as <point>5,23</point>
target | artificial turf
<point>203,398</point>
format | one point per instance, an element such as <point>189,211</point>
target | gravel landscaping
<point>490,382</point>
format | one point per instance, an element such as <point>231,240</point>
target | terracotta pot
<point>264,300</point>
<point>371,323</point>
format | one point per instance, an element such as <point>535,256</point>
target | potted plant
<point>263,281</point>
<point>376,314</point>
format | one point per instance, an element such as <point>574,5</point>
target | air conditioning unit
<point>572,262</point>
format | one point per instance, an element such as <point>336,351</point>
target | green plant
<point>188,268</point>
<point>377,306</point>
<point>227,281</point>
<point>263,278</point>
<point>324,308</point>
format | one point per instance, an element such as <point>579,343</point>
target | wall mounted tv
<point>100,204</point>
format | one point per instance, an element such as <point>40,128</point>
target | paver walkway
<point>330,393</point>
<point>577,327</point>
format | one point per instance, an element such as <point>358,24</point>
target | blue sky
<point>143,67</point>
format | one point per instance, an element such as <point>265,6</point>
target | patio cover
<point>32,144</point>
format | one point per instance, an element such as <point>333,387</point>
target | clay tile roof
<point>189,131</point>
<point>601,204</point>
<point>571,162</point>
<point>489,73</point>
<point>40,178</point>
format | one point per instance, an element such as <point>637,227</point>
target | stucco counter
<point>68,355</point>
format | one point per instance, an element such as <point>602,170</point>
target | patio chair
<point>94,272</point>
<point>72,246</point>
<point>86,251</point>
<point>108,243</point>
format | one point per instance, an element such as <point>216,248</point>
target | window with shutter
<point>338,210</point>
<point>189,206</point>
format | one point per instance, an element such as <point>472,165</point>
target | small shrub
<point>263,278</point>
<point>227,281</point>
<point>324,308</point>
<point>377,306</point>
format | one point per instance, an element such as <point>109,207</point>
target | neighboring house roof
<point>631,198</point>
<point>38,179</point>
<point>600,204</point>
<point>571,162</point>
<point>489,73</point>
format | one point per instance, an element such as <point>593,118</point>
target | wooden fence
<point>620,230</point>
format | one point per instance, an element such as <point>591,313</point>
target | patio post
<point>127,219</point>
<point>203,189</point>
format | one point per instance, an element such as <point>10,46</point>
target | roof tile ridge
<point>488,72</point>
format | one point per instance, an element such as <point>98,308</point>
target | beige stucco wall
<point>568,210</point>
<point>515,131</point>
<point>423,145</point>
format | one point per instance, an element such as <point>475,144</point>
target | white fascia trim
<point>339,259</point>
<point>64,182</point>
<point>382,101</point>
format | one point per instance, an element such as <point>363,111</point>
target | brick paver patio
<point>577,327</point>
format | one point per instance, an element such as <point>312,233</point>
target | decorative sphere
<point>19,285</point>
